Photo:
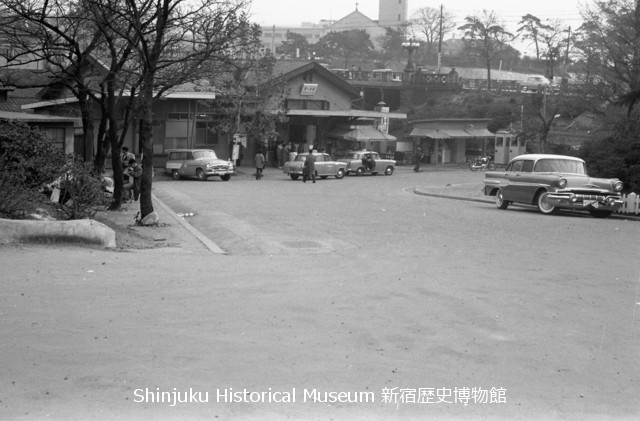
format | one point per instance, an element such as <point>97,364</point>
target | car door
<point>190,165</point>
<point>320,165</point>
<point>329,165</point>
<point>528,182</point>
<point>510,187</point>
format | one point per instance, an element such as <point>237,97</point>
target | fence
<point>631,204</point>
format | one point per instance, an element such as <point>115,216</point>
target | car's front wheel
<point>226,177</point>
<point>294,176</point>
<point>340,174</point>
<point>542,201</point>
<point>360,171</point>
<point>201,175</point>
<point>600,213</point>
<point>175,175</point>
<point>500,202</point>
<point>388,170</point>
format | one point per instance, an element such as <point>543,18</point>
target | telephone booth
<point>508,146</point>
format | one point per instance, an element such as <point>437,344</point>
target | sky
<point>294,12</point>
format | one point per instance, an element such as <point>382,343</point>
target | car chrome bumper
<point>584,201</point>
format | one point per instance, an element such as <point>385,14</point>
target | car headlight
<point>618,185</point>
<point>562,183</point>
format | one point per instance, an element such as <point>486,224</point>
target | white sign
<point>309,89</point>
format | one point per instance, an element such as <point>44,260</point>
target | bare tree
<point>487,38</point>
<point>432,24</point>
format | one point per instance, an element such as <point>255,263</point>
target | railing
<point>631,204</point>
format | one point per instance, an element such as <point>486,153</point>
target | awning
<point>480,132</point>
<point>361,134</point>
<point>430,133</point>
<point>457,132</point>
<point>346,113</point>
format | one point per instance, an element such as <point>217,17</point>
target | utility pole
<point>440,42</point>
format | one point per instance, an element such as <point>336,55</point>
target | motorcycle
<point>482,162</point>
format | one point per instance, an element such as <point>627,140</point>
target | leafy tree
<point>294,46</point>
<point>529,29</point>
<point>553,41</point>
<point>608,44</point>
<point>354,43</point>
<point>391,50</point>
<point>487,38</point>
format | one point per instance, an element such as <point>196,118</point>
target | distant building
<point>392,13</point>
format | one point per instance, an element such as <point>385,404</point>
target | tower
<point>392,13</point>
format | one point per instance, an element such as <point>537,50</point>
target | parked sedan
<point>325,167</point>
<point>367,162</point>
<point>199,163</point>
<point>553,182</point>
<point>535,83</point>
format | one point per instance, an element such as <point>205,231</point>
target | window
<point>560,165</point>
<point>527,166</point>
<point>177,116</point>
<point>516,166</point>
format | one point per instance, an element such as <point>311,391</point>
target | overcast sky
<point>294,12</point>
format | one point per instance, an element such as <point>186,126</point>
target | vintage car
<point>199,163</point>
<point>367,162</point>
<point>553,182</point>
<point>325,167</point>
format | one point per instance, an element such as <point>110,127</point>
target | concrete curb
<point>84,231</point>
<point>201,237</point>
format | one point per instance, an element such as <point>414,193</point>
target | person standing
<point>280,155</point>
<point>126,156</point>
<point>419,156</point>
<point>132,187</point>
<point>309,170</point>
<point>260,161</point>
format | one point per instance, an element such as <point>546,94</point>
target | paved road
<point>353,285</point>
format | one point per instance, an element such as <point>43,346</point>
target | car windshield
<point>204,155</point>
<point>567,166</point>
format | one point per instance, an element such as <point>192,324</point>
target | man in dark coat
<point>309,170</point>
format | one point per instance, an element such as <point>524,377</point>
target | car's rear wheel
<point>360,171</point>
<point>542,201</point>
<point>294,176</point>
<point>600,213</point>
<point>200,174</point>
<point>340,174</point>
<point>226,177</point>
<point>500,202</point>
<point>175,175</point>
<point>388,170</point>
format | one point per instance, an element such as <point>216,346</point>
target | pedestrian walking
<point>309,170</point>
<point>419,156</point>
<point>280,155</point>
<point>260,162</point>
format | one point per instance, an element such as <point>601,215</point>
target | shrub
<point>81,190</point>
<point>31,151</point>
<point>15,199</point>
<point>617,155</point>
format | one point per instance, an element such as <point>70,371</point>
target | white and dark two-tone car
<point>325,167</point>
<point>198,163</point>
<point>553,182</point>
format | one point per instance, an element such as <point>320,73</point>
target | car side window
<point>527,166</point>
<point>319,158</point>
<point>375,156</point>
<point>516,166</point>
<point>189,156</point>
<point>183,156</point>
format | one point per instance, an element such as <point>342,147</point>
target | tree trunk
<point>489,75</point>
<point>146,138</point>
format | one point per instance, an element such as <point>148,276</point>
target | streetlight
<point>410,45</point>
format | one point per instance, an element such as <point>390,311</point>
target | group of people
<point>308,170</point>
